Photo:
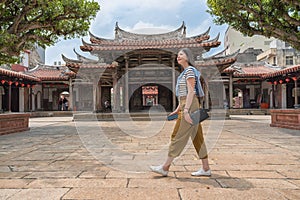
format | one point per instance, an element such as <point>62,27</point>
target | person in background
<point>62,103</point>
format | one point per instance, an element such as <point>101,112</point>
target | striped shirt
<point>181,86</point>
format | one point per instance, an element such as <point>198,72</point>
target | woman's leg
<point>184,132</point>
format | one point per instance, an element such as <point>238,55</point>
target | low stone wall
<point>13,122</point>
<point>286,118</point>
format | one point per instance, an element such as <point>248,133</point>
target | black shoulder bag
<point>200,114</point>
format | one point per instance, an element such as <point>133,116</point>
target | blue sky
<point>136,16</point>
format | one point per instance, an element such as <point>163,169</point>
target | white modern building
<point>235,40</point>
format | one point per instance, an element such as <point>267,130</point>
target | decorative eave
<point>121,34</point>
<point>207,45</point>
<point>83,58</point>
<point>134,41</point>
<point>49,72</point>
<point>98,40</point>
<point>97,66</point>
<point>163,44</point>
<point>294,69</point>
<point>221,54</point>
<point>51,75</point>
<point>252,71</point>
<point>75,65</point>
<point>201,37</point>
<point>13,74</point>
<point>221,62</point>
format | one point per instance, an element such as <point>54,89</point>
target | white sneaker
<point>201,172</point>
<point>159,170</point>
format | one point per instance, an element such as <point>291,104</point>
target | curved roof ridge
<point>83,58</point>
<point>14,74</point>
<point>98,40</point>
<point>121,34</point>
<point>68,60</point>
<point>206,33</point>
<point>216,39</point>
<point>86,43</point>
<point>41,66</point>
<point>218,55</point>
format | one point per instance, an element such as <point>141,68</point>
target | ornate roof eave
<point>207,45</point>
<point>68,60</point>
<point>87,46</point>
<point>257,75</point>
<point>288,70</point>
<point>220,62</point>
<point>98,66</point>
<point>40,66</point>
<point>73,65</point>
<point>13,74</point>
<point>202,36</point>
<point>83,58</point>
<point>218,54</point>
<point>122,34</point>
<point>98,40</point>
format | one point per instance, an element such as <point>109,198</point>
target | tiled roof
<point>50,74</point>
<point>122,34</point>
<point>13,74</point>
<point>164,44</point>
<point>283,71</point>
<point>255,71</point>
<point>249,71</point>
<point>216,62</point>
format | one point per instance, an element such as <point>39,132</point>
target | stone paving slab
<point>249,160</point>
<point>124,194</point>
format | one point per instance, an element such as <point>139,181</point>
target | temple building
<point>136,71</point>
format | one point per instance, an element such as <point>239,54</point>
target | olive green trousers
<point>183,131</point>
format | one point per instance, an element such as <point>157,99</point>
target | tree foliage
<point>271,18</point>
<point>28,22</point>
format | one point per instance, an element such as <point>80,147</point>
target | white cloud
<point>147,16</point>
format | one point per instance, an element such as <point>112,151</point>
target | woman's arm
<point>175,111</point>
<point>189,98</point>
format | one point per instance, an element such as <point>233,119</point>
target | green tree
<point>28,22</point>
<point>271,18</point>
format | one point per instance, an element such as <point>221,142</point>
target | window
<point>289,60</point>
<point>267,42</point>
<point>287,45</point>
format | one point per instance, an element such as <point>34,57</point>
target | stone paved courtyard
<point>62,159</point>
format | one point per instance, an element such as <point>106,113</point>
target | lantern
<point>10,82</point>
<point>3,81</point>
<point>287,80</point>
<point>28,85</point>
<point>22,85</point>
<point>280,81</point>
<point>294,78</point>
<point>275,82</point>
<point>16,83</point>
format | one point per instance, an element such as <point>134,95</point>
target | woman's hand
<point>173,113</point>
<point>188,118</point>
<point>176,111</point>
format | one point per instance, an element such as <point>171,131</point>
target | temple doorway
<point>150,96</point>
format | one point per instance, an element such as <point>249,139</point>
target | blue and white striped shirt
<point>181,86</point>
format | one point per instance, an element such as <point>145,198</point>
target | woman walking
<point>188,97</point>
